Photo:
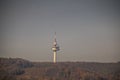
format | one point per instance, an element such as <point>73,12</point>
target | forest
<point>21,69</point>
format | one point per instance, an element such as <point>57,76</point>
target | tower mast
<point>55,48</point>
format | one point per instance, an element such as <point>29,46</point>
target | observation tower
<point>55,48</point>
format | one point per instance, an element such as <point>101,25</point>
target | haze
<point>87,30</point>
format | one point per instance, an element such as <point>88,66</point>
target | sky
<point>87,30</point>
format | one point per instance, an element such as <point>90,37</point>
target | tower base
<point>54,56</point>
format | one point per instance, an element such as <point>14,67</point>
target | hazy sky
<point>87,30</point>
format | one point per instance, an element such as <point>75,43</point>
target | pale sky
<point>87,30</point>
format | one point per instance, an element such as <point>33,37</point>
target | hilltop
<point>20,69</point>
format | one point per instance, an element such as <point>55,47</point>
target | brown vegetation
<point>19,69</point>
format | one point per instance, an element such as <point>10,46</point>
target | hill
<point>20,69</point>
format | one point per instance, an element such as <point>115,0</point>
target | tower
<point>55,48</point>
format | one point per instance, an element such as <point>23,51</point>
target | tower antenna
<point>55,48</point>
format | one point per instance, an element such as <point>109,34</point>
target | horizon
<point>58,61</point>
<point>85,30</point>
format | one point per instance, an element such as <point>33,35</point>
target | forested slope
<point>20,69</point>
